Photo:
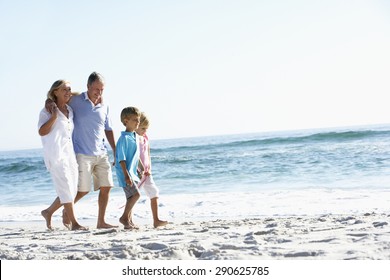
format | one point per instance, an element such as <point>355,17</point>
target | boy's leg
<point>156,221</point>
<point>126,218</point>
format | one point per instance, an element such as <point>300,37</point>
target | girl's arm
<point>140,169</point>
<point>150,161</point>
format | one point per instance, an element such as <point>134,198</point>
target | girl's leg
<point>156,221</point>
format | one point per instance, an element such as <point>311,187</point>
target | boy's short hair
<point>128,111</point>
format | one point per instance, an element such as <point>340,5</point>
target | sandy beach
<point>364,236</point>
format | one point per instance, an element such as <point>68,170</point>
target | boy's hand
<point>129,182</point>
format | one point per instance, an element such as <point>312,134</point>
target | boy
<point>126,163</point>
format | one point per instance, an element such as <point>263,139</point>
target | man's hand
<point>50,106</point>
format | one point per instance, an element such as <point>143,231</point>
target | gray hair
<point>95,77</point>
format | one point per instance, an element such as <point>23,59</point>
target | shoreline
<point>363,236</point>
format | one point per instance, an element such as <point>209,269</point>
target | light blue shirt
<point>127,150</point>
<point>90,123</point>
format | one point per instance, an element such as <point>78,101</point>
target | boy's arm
<point>128,180</point>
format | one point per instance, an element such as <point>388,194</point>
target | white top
<point>57,145</point>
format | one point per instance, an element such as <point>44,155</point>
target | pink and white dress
<point>147,182</point>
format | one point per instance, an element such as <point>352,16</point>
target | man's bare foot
<point>105,225</point>
<point>47,217</point>
<point>66,221</point>
<point>78,227</point>
<point>159,223</point>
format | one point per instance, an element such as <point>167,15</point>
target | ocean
<point>222,170</point>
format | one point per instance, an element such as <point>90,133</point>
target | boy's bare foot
<point>105,225</point>
<point>159,223</point>
<point>66,221</point>
<point>128,224</point>
<point>47,217</point>
<point>124,222</point>
<point>78,227</point>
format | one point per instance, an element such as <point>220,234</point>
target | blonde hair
<point>127,112</point>
<point>55,86</point>
<point>144,120</point>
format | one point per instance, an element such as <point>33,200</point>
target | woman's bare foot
<point>78,227</point>
<point>47,217</point>
<point>159,223</point>
<point>66,221</point>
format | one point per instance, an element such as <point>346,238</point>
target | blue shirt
<point>127,150</point>
<point>90,123</point>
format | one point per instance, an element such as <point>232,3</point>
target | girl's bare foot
<point>133,226</point>
<point>47,217</point>
<point>159,223</point>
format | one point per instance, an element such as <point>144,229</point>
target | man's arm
<point>111,140</point>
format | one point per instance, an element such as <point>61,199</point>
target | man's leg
<point>104,195</point>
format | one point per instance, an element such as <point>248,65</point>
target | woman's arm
<point>46,127</point>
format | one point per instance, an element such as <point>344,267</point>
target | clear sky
<point>199,67</point>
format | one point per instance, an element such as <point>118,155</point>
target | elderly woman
<point>55,128</point>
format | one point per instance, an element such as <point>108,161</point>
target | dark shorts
<point>130,190</point>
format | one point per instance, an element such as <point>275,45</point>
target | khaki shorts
<point>96,167</point>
